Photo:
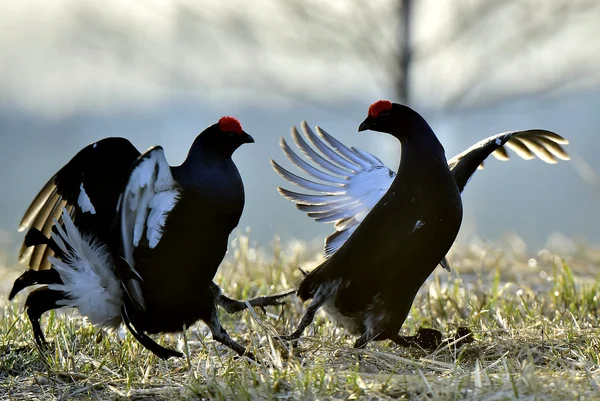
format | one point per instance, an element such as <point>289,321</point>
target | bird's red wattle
<point>230,124</point>
<point>378,107</point>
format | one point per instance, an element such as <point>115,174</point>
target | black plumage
<point>392,229</point>
<point>137,241</point>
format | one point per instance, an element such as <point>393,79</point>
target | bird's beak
<point>247,138</point>
<point>365,125</point>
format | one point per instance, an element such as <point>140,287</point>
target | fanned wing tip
<point>304,198</point>
<point>304,183</point>
<point>545,145</point>
<point>501,154</point>
<point>37,204</point>
<point>343,149</point>
<point>552,136</point>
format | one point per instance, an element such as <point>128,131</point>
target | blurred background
<point>159,72</point>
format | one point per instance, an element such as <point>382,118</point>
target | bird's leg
<point>233,305</point>
<point>364,339</point>
<point>220,334</point>
<point>309,315</point>
<point>37,303</point>
<point>147,342</point>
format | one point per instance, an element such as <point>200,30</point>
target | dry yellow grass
<point>535,321</point>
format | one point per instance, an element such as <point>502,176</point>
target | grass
<point>535,322</point>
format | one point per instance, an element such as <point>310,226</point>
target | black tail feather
<point>32,277</point>
<point>147,342</point>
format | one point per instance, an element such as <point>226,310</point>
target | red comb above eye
<point>378,107</point>
<point>230,124</point>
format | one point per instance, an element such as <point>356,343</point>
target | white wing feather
<point>353,181</point>
<point>150,194</point>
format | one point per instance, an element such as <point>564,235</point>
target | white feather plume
<point>88,276</point>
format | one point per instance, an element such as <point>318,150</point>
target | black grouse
<point>125,238</point>
<point>392,229</point>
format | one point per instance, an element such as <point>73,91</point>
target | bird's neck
<point>204,168</point>
<point>421,151</point>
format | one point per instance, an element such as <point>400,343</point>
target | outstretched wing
<point>150,194</point>
<point>527,144</point>
<point>352,182</point>
<point>88,186</point>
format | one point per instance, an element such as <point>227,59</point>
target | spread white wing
<point>150,194</point>
<point>352,182</point>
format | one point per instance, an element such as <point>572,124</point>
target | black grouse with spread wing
<point>392,229</point>
<point>126,238</point>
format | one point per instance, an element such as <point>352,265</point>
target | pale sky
<point>63,57</point>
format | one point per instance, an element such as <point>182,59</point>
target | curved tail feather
<point>87,272</point>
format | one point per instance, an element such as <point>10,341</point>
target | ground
<point>534,316</point>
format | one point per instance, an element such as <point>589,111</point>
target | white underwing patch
<point>94,145</point>
<point>150,195</point>
<point>84,201</point>
<point>498,141</point>
<point>160,205</point>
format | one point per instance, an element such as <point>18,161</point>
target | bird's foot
<point>427,339</point>
<point>289,337</point>
<point>463,336</point>
<point>271,300</point>
<point>234,305</point>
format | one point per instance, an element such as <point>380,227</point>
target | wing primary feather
<point>46,210</point>
<point>304,183</point>
<point>331,154</point>
<point>41,219</point>
<point>343,149</point>
<point>554,137</point>
<point>308,198</point>
<point>325,207</point>
<point>38,202</point>
<point>520,148</point>
<point>553,147</point>
<point>307,168</point>
<point>540,150</point>
<point>36,261</point>
<point>371,159</point>
<point>501,154</point>
<point>310,153</point>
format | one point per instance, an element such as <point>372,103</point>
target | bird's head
<point>226,136</point>
<point>392,118</point>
